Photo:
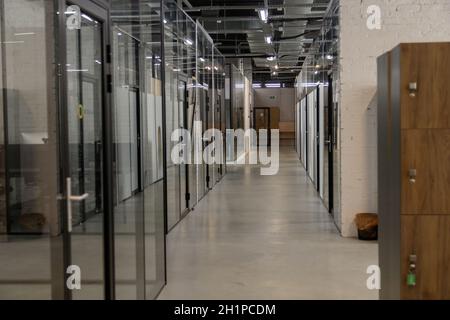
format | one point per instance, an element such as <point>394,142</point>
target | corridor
<point>265,237</point>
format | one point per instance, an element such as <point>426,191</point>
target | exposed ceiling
<point>239,32</point>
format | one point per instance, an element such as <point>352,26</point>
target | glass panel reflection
<point>29,221</point>
<point>138,141</point>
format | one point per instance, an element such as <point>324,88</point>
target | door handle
<point>71,198</point>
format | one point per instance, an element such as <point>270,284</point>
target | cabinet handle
<point>412,89</point>
<point>412,175</point>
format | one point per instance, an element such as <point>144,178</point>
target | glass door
<point>30,226</point>
<point>84,158</point>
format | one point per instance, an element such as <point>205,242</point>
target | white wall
<point>402,21</point>
<point>284,98</point>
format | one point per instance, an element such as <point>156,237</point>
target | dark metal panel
<point>164,133</point>
<point>389,189</point>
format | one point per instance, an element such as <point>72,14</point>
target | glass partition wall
<point>179,54</point>
<point>89,100</point>
<point>205,92</point>
<point>30,222</point>
<point>138,150</point>
<point>193,74</point>
<point>81,150</point>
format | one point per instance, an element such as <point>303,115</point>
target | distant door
<point>261,119</point>
<point>218,126</point>
<point>184,168</point>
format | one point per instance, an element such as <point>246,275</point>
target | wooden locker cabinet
<point>414,171</point>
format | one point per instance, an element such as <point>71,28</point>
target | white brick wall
<point>402,21</point>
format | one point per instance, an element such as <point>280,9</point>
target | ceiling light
<point>202,59</point>
<point>329,57</point>
<point>317,66</point>
<point>188,42</point>
<point>164,20</point>
<point>219,21</point>
<point>276,67</point>
<point>263,14</point>
<point>87,17</point>
<point>268,40</point>
<point>24,34</point>
<point>271,58</point>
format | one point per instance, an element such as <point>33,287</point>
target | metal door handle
<point>70,199</point>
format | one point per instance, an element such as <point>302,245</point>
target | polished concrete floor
<point>265,237</point>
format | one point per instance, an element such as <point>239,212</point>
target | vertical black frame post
<point>306,134</point>
<point>164,133</point>
<point>63,137</point>
<point>317,133</point>
<point>330,145</point>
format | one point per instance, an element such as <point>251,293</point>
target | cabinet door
<point>428,65</point>
<point>428,153</point>
<point>428,238</point>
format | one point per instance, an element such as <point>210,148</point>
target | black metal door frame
<point>187,195</point>
<point>317,133</point>
<point>306,135</point>
<point>100,10</point>
<point>330,140</point>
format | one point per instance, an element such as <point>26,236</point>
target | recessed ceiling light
<point>263,14</point>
